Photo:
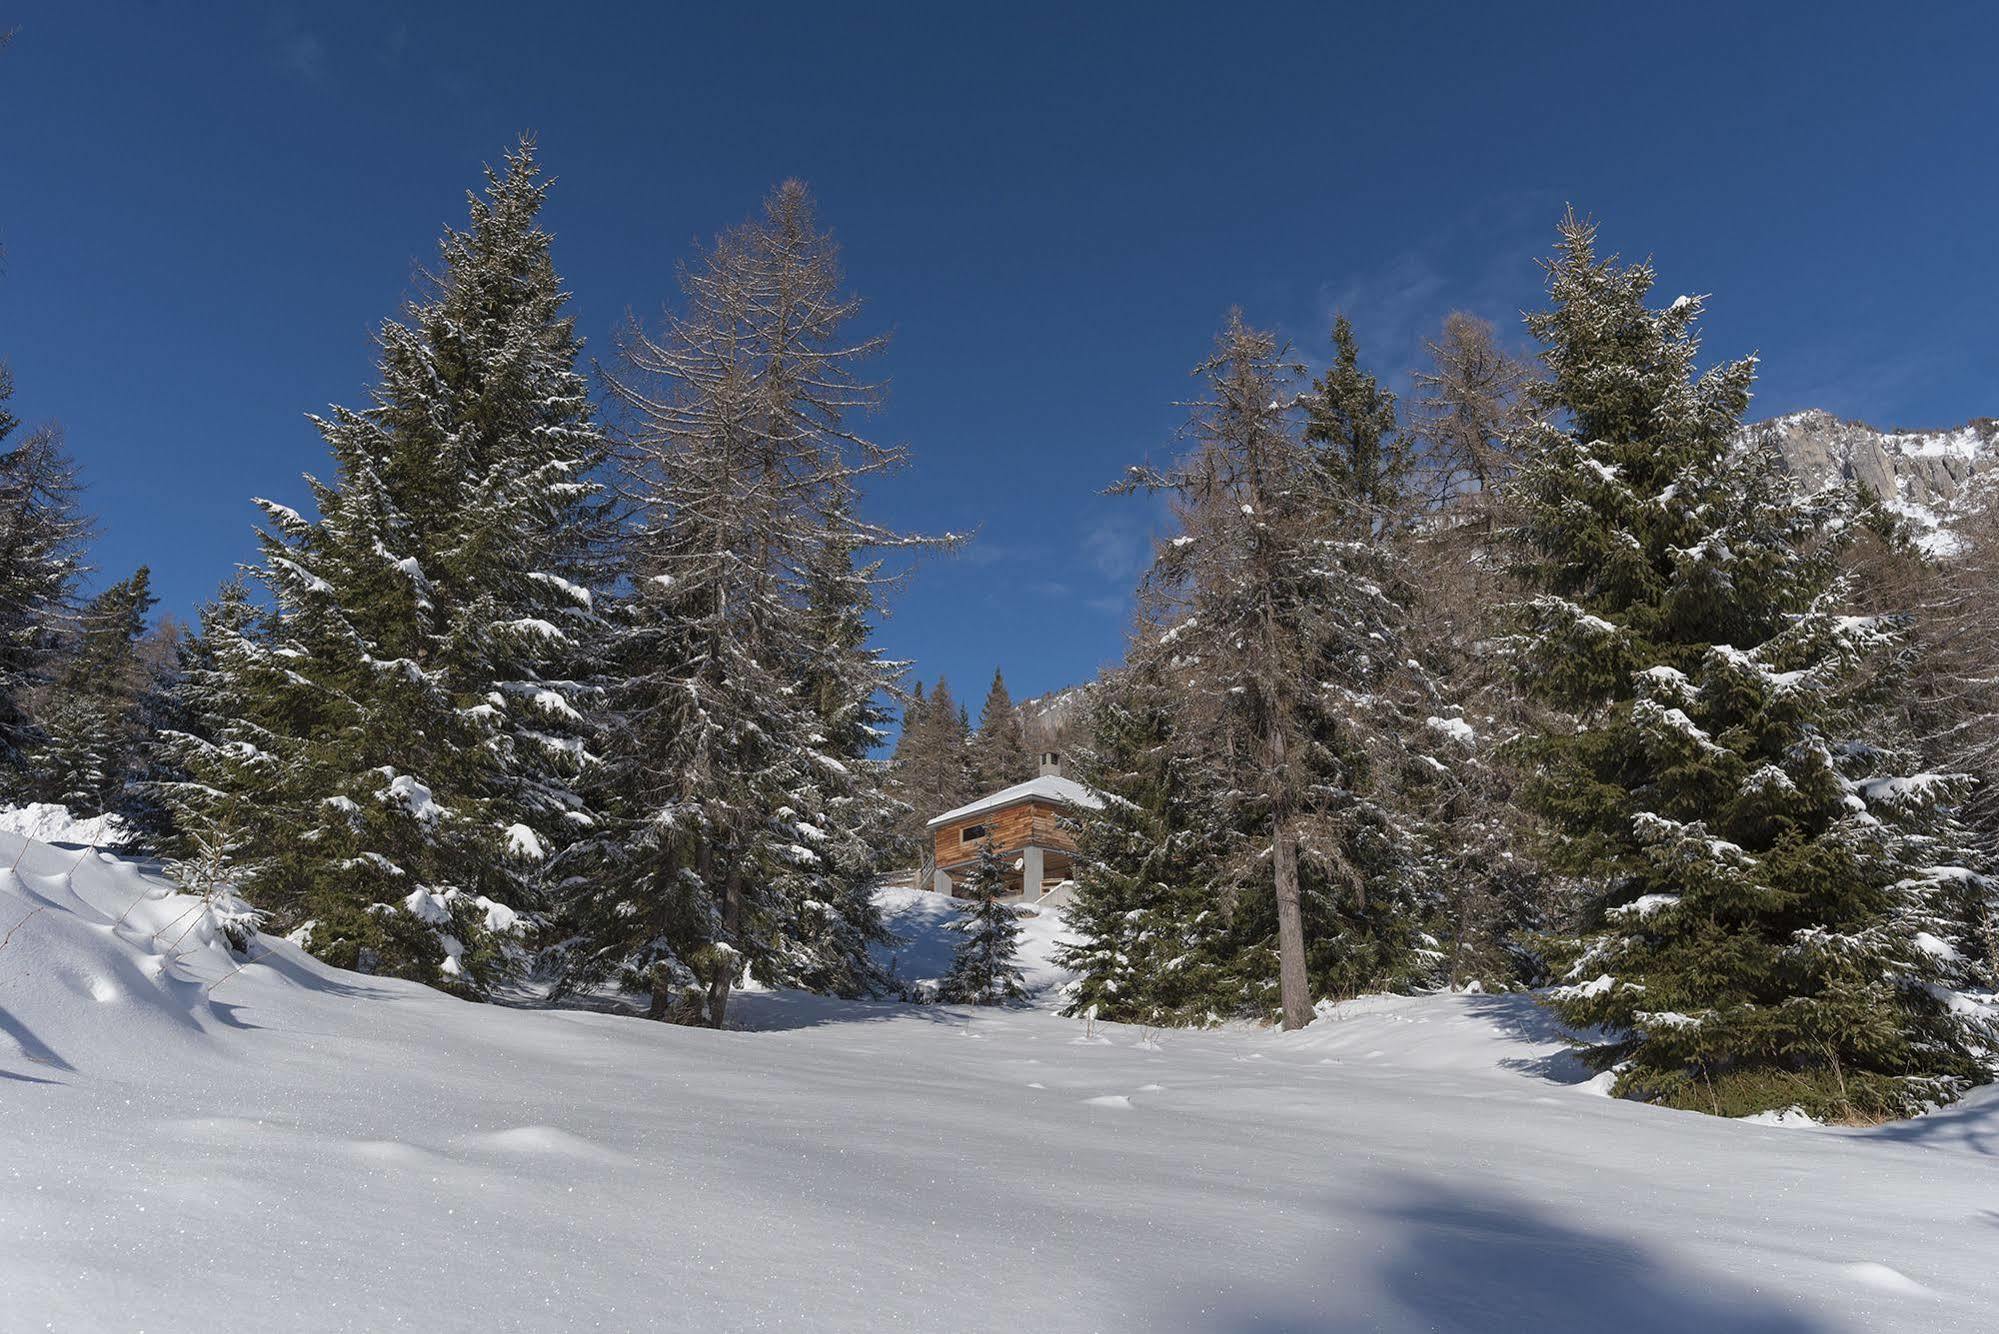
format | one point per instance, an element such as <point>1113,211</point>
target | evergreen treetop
<point>1361,446</point>
<point>1000,756</point>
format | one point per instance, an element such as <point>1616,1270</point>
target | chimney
<point>1051,764</point>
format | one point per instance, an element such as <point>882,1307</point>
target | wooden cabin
<point>1024,824</point>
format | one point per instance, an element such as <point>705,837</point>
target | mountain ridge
<point>1923,475</point>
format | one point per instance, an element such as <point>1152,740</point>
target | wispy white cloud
<point>981,551</point>
<point>1482,261</point>
<point>305,54</point>
<point>1848,382</point>
<point>1117,548</point>
<point>296,48</point>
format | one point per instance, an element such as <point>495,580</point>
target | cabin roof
<point>1048,787</point>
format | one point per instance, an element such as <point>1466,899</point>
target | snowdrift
<point>101,958</point>
<point>193,1143</point>
<point>47,822</point>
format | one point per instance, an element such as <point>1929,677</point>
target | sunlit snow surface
<point>289,1147</point>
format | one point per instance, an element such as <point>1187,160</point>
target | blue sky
<point>207,210</point>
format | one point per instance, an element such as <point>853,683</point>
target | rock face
<point>1053,720</point>
<point>1920,473</point>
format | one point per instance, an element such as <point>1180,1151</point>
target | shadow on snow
<point>1452,1258</point>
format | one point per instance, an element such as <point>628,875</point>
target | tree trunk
<point>1294,988</point>
<point>718,996</point>
<point>662,977</point>
<point>732,920</point>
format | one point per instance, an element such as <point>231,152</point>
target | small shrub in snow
<point>983,971</point>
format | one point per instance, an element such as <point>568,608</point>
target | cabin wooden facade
<point>1024,823</point>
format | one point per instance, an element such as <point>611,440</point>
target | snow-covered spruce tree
<point>42,539</point>
<point>845,680</point>
<point>1000,755</point>
<point>89,714</point>
<point>435,622</point>
<point>218,766</point>
<point>1149,925</point>
<point>746,468</point>
<point>1778,915</point>
<point>983,967</point>
<point>1380,768</point>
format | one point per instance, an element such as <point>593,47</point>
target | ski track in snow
<point>185,1146</point>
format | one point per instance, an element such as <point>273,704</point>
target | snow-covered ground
<point>54,824</point>
<point>290,1147</point>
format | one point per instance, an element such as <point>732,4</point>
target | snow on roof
<point>1048,787</point>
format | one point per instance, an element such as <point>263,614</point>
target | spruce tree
<point>437,623</point>
<point>983,971</point>
<point>1149,927</point>
<point>746,466</point>
<point>1777,913</point>
<point>1377,772</point>
<point>1363,451</point>
<point>217,763</point>
<point>999,753</point>
<point>948,779</point>
<point>90,718</point>
<point>42,539</point>
<point>845,679</point>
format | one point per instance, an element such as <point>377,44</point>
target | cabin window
<point>972,833</point>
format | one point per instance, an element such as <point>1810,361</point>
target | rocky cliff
<point>1920,473</point>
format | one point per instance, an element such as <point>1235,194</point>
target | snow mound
<point>101,957</point>
<point>1795,1118</point>
<point>543,1140</point>
<point>1884,1277</point>
<point>47,822</point>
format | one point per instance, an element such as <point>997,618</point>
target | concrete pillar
<point>942,884</point>
<point>1030,874</point>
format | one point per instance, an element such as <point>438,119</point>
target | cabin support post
<point>942,884</point>
<point>1030,873</point>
